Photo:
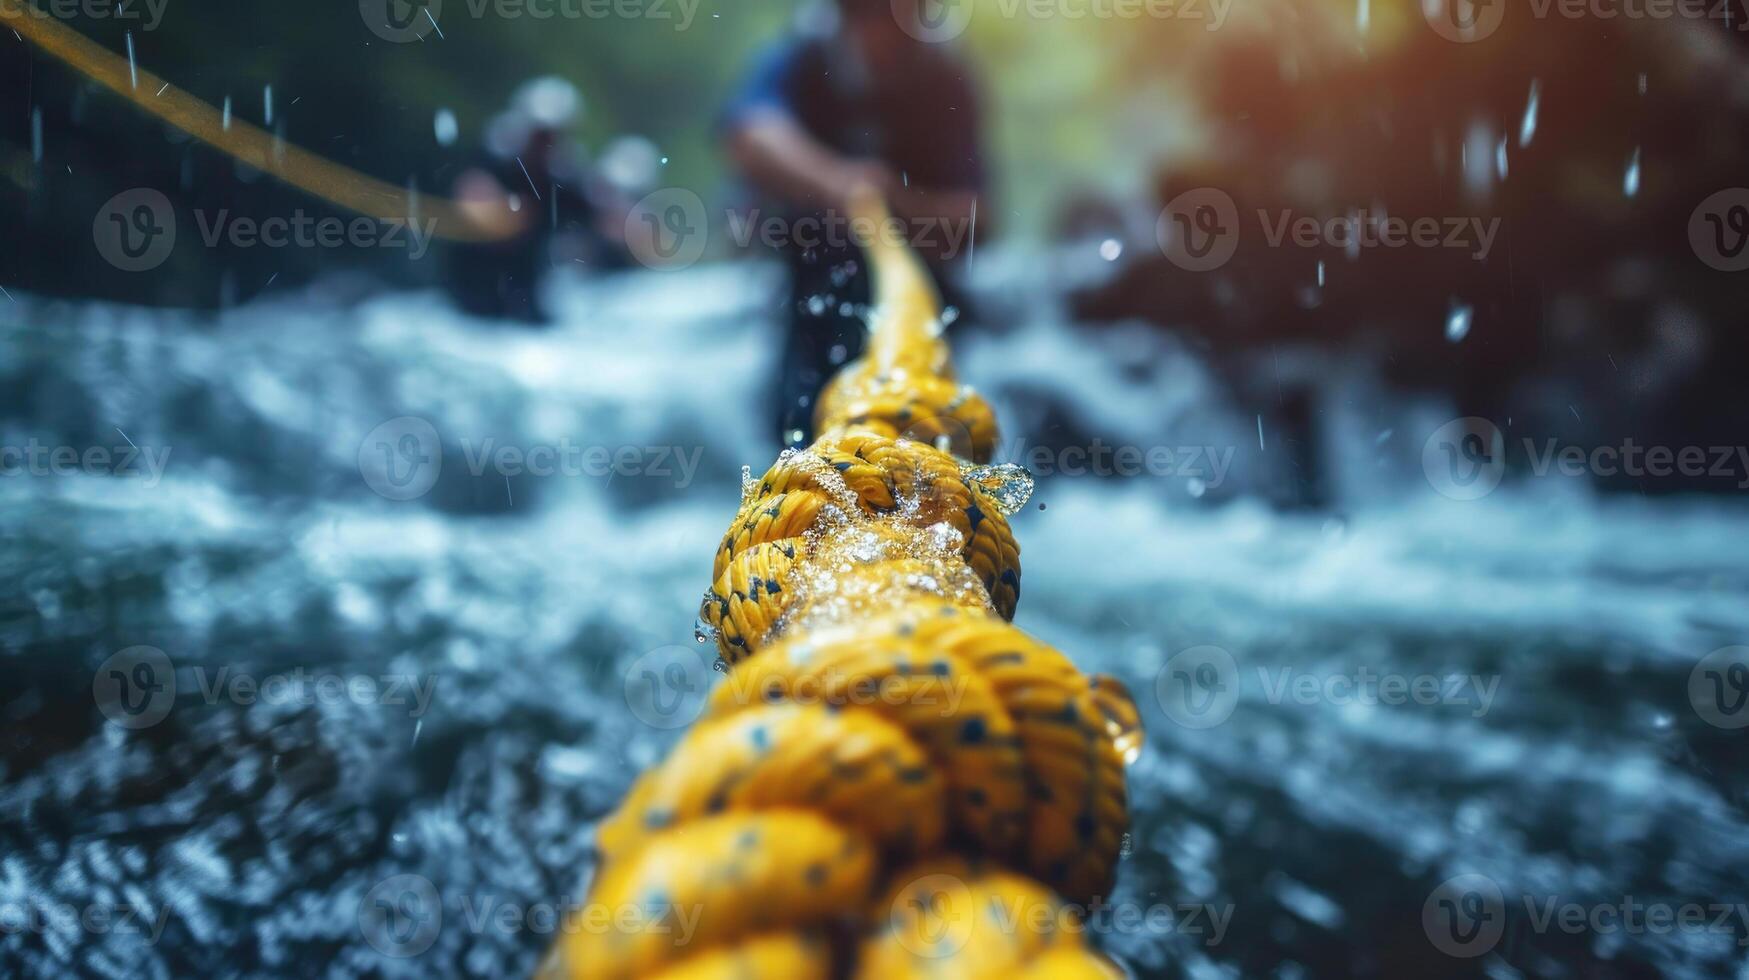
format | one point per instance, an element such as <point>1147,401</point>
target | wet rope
<point>472,221</point>
<point>892,780</point>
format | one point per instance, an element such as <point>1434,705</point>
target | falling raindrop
<point>1457,322</point>
<point>1527,128</point>
<point>226,121</point>
<point>133,70</point>
<point>1630,182</point>
<point>267,105</point>
<point>1195,487</point>
<point>794,437</point>
<point>1320,273</point>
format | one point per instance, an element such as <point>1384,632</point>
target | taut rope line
<point>333,182</point>
<point>892,780</point>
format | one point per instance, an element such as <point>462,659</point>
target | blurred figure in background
<point>851,100</point>
<point>534,160</point>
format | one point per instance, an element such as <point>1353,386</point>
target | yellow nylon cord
<point>892,780</point>
<point>900,783</point>
<point>316,175</point>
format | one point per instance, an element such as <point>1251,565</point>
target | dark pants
<point>826,329</point>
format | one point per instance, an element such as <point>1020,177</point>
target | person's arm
<point>781,159</point>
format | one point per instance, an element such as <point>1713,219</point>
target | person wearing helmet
<point>860,97</point>
<point>530,160</point>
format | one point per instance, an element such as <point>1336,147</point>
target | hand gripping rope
<point>893,780</point>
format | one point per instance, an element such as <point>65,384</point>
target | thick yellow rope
<point>473,221</point>
<point>892,780</point>
<point>900,782</point>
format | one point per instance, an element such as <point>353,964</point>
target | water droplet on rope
<point>1008,484</point>
<point>945,538</point>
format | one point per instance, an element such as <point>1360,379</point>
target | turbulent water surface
<point>473,640</point>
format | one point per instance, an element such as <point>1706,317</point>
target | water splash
<point>1009,485</point>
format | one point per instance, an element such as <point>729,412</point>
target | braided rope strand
<point>893,780</point>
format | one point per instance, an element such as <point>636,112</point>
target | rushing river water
<point>1343,712</point>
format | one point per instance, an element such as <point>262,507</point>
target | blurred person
<point>530,160</point>
<point>850,100</point>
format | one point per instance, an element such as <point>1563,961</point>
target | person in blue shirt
<point>860,100</point>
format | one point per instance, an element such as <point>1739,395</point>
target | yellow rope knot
<point>892,780</point>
